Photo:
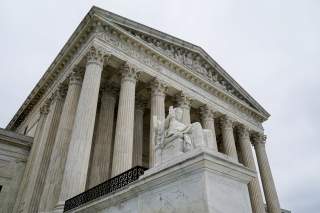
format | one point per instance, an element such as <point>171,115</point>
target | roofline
<point>154,32</point>
<point>46,75</point>
<point>124,21</point>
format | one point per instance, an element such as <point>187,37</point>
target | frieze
<point>136,51</point>
<point>112,38</point>
<point>190,59</point>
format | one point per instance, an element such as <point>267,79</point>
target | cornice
<point>172,65</point>
<point>81,35</point>
<point>15,139</point>
<point>74,43</point>
<point>124,22</point>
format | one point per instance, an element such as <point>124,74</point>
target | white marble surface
<point>198,181</point>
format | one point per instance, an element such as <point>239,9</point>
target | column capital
<point>206,112</point>
<point>60,93</point>
<point>129,72</point>
<point>110,89</point>
<point>96,55</point>
<point>76,75</point>
<point>44,109</point>
<point>259,139</point>
<point>140,104</point>
<point>183,100</point>
<point>158,87</point>
<point>226,122</point>
<point>243,131</point>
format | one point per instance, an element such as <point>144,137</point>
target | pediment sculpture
<point>172,137</point>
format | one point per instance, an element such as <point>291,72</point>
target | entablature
<point>96,26</point>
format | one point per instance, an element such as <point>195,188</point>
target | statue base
<point>197,181</point>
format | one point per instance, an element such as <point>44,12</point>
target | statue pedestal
<point>197,181</point>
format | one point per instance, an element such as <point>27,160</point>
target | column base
<point>59,208</point>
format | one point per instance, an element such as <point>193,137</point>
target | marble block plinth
<point>198,181</point>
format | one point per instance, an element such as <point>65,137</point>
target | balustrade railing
<point>105,188</point>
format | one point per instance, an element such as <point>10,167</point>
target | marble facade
<point>91,117</point>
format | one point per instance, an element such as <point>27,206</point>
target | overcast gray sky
<point>270,47</point>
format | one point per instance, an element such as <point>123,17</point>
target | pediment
<point>191,58</point>
<point>188,55</point>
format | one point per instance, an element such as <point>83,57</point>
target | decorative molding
<point>44,110</point>
<point>128,72</point>
<point>128,44</point>
<point>96,56</point>
<point>184,62</point>
<point>226,122</point>
<point>158,87</point>
<point>76,75</point>
<point>243,131</point>
<point>258,139</point>
<point>206,112</point>
<point>110,89</point>
<point>140,104</point>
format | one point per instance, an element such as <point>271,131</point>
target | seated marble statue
<point>172,137</point>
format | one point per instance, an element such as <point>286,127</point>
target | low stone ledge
<point>190,182</point>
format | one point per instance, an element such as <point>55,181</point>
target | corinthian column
<point>256,199</point>
<point>184,102</point>
<point>75,174</point>
<point>102,147</point>
<point>158,89</point>
<point>228,142</point>
<point>40,166</point>
<point>59,153</point>
<point>44,110</point>
<point>208,123</point>
<point>138,133</point>
<point>269,188</point>
<point>123,142</point>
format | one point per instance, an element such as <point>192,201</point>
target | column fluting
<point>248,161</point>
<point>138,133</point>
<point>207,121</point>
<point>40,168</point>
<point>102,148</point>
<point>123,142</point>
<point>76,168</point>
<point>157,108</point>
<point>44,110</point>
<point>270,192</point>
<point>53,181</point>
<point>228,142</point>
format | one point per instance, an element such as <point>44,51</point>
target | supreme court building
<point>91,118</point>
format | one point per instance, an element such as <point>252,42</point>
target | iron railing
<point>105,188</point>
